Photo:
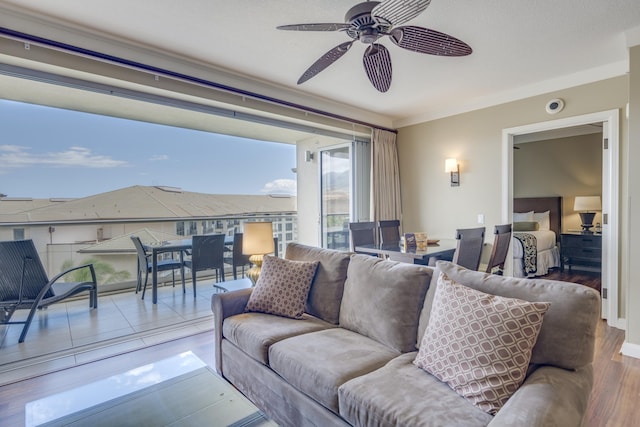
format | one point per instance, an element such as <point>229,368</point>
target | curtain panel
<point>386,202</point>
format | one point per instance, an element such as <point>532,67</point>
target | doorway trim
<point>610,192</point>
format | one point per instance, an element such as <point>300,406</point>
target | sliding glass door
<point>344,191</point>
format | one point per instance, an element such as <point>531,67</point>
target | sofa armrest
<point>549,396</point>
<point>224,305</point>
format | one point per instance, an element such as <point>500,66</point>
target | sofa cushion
<point>254,333</point>
<point>479,344</point>
<point>320,362</point>
<point>401,394</point>
<point>326,290</point>
<point>382,300</point>
<point>567,337</point>
<point>283,287</point>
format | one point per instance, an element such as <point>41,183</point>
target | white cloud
<point>281,186</point>
<point>15,156</point>
<point>158,157</point>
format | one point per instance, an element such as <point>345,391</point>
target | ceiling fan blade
<point>314,27</point>
<point>377,64</point>
<point>396,12</point>
<point>325,60</point>
<point>424,40</point>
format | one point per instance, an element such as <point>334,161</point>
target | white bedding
<point>548,253</point>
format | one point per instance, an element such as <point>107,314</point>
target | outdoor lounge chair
<point>24,283</point>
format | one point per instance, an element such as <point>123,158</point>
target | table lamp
<point>257,241</point>
<point>585,206</point>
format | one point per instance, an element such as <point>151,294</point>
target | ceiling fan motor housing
<point>360,10</point>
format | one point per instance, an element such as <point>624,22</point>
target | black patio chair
<point>389,232</point>
<point>469,249</point>
<point>501,242</point>
<point>362,233</point>
<point>24,283</point>
<point>207,253</point>
<point>236,258</point>
<point>145,265</point>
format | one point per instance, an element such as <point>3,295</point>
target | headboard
<point>542,204</point>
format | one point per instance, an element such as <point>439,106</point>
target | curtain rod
<point>157,70</point>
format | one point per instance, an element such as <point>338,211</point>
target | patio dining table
<point>442,250</point>
<point>180,246</point>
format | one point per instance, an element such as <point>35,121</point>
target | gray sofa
<point>348,361</point>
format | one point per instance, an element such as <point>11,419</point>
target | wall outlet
<point>480,218</point>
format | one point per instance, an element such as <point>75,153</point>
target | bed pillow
<point>522,216</point>
<point>526,226</point>
<point>479,344</point>
<point>282,287</point>
<point>543,219</point>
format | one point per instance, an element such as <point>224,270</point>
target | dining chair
<point>145,265</point>
<point>389,231</point>
<point>24,283</point>
<point>469,247</point>
<point>501,242</point>
<point>235,258</point>
<point>207,253</point>
<point>362,233</point>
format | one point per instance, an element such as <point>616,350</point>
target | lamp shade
<point>451,165</point>
<point>257,238</point>
<point>587,203</point>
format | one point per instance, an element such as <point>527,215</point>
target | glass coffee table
<point>178,391</point>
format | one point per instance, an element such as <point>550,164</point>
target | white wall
<point>633,158</point>
<point>308,176</point>
<point>475,138</point>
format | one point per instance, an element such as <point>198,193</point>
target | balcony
<point>69,334</point>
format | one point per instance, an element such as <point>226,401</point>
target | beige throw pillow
<point>479,344</point>
<point>282,287</point>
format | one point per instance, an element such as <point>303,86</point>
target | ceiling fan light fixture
<point>368,22</point>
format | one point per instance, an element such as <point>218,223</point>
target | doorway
<point>610,191</point>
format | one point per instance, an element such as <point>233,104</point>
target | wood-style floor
<point>613,403</point>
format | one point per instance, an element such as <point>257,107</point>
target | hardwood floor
<point>613,399</point>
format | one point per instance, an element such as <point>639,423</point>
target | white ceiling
<point>521,47</point>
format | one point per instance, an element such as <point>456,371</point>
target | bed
<point>536,230</point>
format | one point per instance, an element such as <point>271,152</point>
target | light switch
<point>480,218</point>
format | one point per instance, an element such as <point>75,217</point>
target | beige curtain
<point>385,177</point>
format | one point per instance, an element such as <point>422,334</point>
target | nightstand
<point>581,249</point>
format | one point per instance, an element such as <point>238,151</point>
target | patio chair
<point>24,283</point>
<point>469,249</point>
<point>237,259</point>
<point>389,232</point>
<point>501,241</point>
<point>207,253</point>
<point>145,265</point>
<point>362,233</point>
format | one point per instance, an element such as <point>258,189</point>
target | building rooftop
<point>140,203</point>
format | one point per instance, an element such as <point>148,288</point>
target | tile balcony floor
<point>70,333</point>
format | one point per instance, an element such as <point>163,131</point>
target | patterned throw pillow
<point>479,344</point>
<point>282,287</point>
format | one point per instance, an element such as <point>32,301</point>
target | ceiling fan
<point>371,20</point>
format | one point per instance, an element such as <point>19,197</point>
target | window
<point>18,234</point>
<point>180,228</point>
<point>193,227</point>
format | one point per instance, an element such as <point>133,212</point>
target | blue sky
<point>50,152</point>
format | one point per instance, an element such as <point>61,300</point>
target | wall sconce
<point>451,166</point>
<point>308,156</point>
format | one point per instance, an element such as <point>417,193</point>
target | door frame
<point>610,196</point>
